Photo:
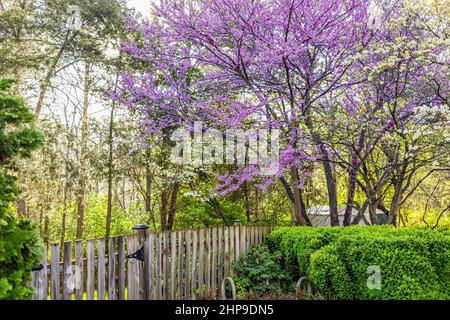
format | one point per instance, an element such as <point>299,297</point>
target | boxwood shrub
<point>414,263</point>
<point>260,271</point>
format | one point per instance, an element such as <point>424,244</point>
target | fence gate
<point>176,265</point>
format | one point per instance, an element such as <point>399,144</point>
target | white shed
<point>320,215</point>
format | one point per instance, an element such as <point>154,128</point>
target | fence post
<point>144,266</point>
<point>134,257</point>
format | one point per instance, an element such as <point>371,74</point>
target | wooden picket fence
<point>177,265</point>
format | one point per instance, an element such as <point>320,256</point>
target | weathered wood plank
<point>194,263</point>
<point>145,276</point>
<point>187,278</point>
<point>220,270</point>
<point>55,272</point>
<point>39,282</point>
<point>180,265</point>
<point>32,284</point>
<point>79,262</point>
<point>259,234</point>
<point>253,235</point>
<point>166,265</point>
<point>90,265</point>
<point>143,266</point>
<point>112,269</point>
<point>231,251</point>
<point>43,293</point>
<point>243,239</point>
<point>121,282</point>
<point>173,265</point>
<point>68,274</point>
<point>151,267</point>
<point>247,237</point>
<point>226,240</point>
<point>201,262</point>
<point>208,263</point>
<point>101,274</point>
<point>133,269</point>
<point>237,243</point>
<point>158,267</point>
<point>214,262</point>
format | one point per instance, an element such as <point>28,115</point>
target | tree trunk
<point>296,210</point>
<point>350,197</point>
<point>396,200</point>
<point>41,217</point>
<point>46,232</point>
<point>83,151</point>
<point>148,190</point>
<point>361,212</point>
<point>398,193</point>
<point>332,191</point>
<point>373,212</point>
<point>110,169</point>
<point>394,211</point>
<point>353,174</point>
<point>173,205</point>
<point>247,203</point>
<point>329,174</point>
<point>163,211</point>
<point>21,207</point>
<point>64,215</point>
<point>298,205</point>
<point>110,176</point>
<point>46,82</point>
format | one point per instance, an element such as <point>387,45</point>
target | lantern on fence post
<point>144,272</point>
<point>142,232</point>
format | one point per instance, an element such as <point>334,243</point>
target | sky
<point>142,6</point>
<point>97,109</point>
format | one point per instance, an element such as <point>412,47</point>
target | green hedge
<point>414,263</point>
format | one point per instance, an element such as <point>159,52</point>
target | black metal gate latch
<point>138,255</point>
<point>38,267</point>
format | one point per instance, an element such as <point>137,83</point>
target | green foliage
<point>18,238</point>
<point>196,212</point>
<point>260,271</point>
<point>122,221</point>
<point>413,262</point>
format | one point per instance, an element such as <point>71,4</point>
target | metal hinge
<point>138,255</point>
